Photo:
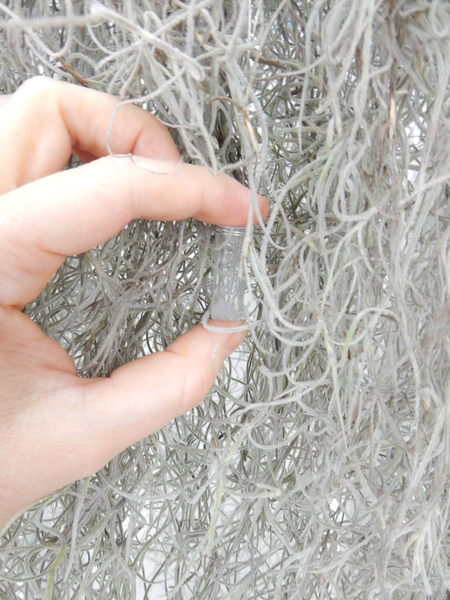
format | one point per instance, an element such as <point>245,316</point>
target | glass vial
<point>229,283</point>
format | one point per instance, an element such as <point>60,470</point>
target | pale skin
<point>56,427</point>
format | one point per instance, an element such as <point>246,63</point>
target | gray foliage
<point>318,465</point>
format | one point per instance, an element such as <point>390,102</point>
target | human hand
<point>54,426</point>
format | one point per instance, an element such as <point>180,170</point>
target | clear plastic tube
<point>229,283</point>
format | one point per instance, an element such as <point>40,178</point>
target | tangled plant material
<point>318,466</point>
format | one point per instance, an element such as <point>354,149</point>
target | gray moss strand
<point>317,467</point>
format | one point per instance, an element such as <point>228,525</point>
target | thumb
<point>65,428</point>
<point>147,393</point>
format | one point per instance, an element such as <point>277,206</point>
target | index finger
<point>45,121</point>
<point>72,211</point>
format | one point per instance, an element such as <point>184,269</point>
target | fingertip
<point>234,341</point>
<point>229,341</point>
<point>156,142</point>
<point>264,207</point>
<point>206,350</point>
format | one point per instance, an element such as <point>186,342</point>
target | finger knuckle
<point>39,85</point>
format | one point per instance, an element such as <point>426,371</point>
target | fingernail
<point>263,206</point>
<point>234,341</point>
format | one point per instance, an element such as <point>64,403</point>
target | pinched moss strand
<point>317,467</point>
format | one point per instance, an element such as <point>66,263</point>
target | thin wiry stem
<point>318,465</point>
